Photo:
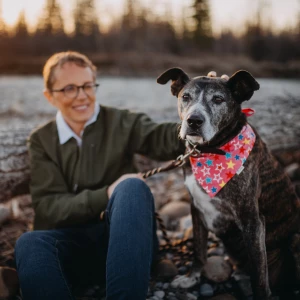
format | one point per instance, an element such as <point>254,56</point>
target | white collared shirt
<point>64,130</point>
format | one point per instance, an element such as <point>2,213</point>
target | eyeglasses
<point>71,91</point>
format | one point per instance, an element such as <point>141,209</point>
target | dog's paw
<point>185,282</point>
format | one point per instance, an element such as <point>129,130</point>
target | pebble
<point>175,210</point>
<point>215,251</point>
<point>166,285</point>
<point>182,270</point>
<point>191,296</point>
<point>223,297</point>
<point>165,269</point>
<point>217,269</point>
<point>159,294</point>
<point>159,285</point>
<point>206,290</point>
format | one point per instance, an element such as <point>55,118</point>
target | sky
<point>225,14</point>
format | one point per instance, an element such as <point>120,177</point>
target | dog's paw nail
<point>212,74</point>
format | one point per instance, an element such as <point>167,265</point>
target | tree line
<point>139,30</point>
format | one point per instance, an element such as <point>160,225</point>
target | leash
<point>178,162</point>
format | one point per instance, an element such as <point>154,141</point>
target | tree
<point>2,24</point>
<point>51,22</point>
<point>21,30</point>
<point>86,23</point>
<point>202,33</point>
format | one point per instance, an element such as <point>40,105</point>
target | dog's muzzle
<point>195,121</point>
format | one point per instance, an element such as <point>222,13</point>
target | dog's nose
<point>195,121</point>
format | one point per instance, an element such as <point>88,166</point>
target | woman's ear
<point>49,96</point>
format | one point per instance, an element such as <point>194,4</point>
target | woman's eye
<point>218,99</point>
<point>70,88</point>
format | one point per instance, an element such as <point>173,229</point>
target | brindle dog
<point>256,214</point>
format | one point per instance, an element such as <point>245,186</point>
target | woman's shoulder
<point>44,130</point>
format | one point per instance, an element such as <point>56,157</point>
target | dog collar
<point>213,171</point>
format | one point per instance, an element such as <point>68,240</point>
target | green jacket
<point>69,184</point>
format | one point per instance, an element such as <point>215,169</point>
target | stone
<point>175,210</point>
<point>166,285</point>
<point>165,269</point>
<point>206,290</point>
<point>185,223</point>
<point>191,296</point>
<point>9,282</point>
<point>5,213</point>
<point>245,287</point>
<point>186,282</point>
<point>159,294</point>
<point>223,297</point>
<point>217,269</point>
<point>215,251</point>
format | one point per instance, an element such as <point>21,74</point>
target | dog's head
<point>206,105</point>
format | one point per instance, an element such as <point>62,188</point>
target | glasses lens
<point>90,88</point>
<point>71,91</point>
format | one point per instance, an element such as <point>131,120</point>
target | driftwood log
<point>277,121</point>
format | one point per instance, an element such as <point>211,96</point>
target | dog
<point>252,208</point>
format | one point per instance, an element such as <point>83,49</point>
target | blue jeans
<point>50,263</point>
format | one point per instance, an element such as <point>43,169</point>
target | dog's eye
<point>218,99</point>
<point>186,97</point>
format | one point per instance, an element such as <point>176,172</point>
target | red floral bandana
<point>213,171</point>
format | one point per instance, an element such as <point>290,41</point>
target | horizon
<point>279,15</point>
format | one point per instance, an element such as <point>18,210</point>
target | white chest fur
<point>202,202</point>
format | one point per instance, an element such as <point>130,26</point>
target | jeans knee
<point>28,246</point>
<point>132,193</point>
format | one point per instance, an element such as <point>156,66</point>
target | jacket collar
<point>65,132</point>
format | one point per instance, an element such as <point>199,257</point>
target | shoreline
<point>145,65</point>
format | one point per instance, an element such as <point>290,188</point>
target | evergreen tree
<point>85,19</point>
<point>51,22</point>
<point>202,34</point>
<point>2,24</point>
<point>21,30</point>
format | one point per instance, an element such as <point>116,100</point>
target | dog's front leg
<point>254,238</point>
<point>200,245</point>
<point>200,239</point>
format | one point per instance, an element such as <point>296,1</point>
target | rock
<point>5,213</point>
<point>159,294</point>
<point>191,296</point>
<point>185,223</point>
<point>188,234</point>
<point>9,282</point>
<point>206,290</point>
<point>245,287</point>
<point>165,269</point>
<point>186,282</point>
<point>215,251</point>
<point>175,210</point>
<point>223,297</point>
<point>217,269</point>
<point>166,285</point>
<point>182,270</point>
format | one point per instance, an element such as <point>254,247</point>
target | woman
<point>81,165</point>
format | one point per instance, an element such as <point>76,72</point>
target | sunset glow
<point>229,14</point>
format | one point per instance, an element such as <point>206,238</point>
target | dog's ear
<point>179,79</point>
<point>242,84</point>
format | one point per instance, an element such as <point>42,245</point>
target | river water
<point>22,103</point>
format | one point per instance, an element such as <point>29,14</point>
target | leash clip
<point>182,158</point>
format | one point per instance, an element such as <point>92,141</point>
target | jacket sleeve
<point>54,205</point>
<point>158,141</point>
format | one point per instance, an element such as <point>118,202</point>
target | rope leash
<point>178,162</point>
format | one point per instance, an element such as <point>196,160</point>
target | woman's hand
<point>112,187</point>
